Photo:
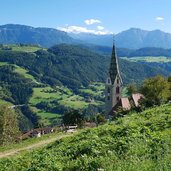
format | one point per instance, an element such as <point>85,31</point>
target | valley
<point>85,85</point>
<point>55,86</point>
<point>50,103</point>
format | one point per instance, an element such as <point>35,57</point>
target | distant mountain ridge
<point>45,37</point>
<point>136,38</point>
<point>133,38</point>
<point>124,52</point>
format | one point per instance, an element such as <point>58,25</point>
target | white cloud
<point>159,18</point>
<point>79,29</point>
<point>92,21</point>
<point>100,27</point>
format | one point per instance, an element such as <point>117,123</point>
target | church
<point>113,89</point>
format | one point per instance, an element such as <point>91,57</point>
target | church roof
<point>114,68</point>
<point>125,103</point>
<point>136,97</point>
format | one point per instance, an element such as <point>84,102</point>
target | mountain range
<point>45,37</point>
<point>133,38</point>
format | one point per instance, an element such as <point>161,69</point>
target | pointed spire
<point>114,68</point>
<point>113,39</point>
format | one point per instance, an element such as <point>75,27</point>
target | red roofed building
<point>125,104</point>
<point>136,97</point>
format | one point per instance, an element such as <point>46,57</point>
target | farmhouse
<point>37,132</point>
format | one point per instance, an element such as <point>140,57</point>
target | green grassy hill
<point>138,141</point>
<point>50,103</point>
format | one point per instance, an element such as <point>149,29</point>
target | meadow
<point>138,141</point>
<point>62,96</point>
<point>21,48</point>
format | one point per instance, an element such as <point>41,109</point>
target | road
<point>31,147</point>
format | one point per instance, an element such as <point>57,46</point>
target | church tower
<point>113,86</point>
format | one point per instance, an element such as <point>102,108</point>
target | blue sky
<point>94,16</point>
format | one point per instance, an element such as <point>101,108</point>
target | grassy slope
<point>18,48</point>
<point>136,142</point>
<point>20,71</point>
<point>24,73</point>
<point>64,96</point>
<point>94,89</point>
<point>29,141</point>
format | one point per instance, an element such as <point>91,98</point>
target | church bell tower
<point>113,86</point>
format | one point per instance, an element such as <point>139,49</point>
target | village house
<point>37,132</point>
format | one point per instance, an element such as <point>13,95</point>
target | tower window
<point>117,81</point>
<point>108,97</point>
<point>117,90</point>
<point>117,99</point>
<point>108,90</point>
<point>109,81</point>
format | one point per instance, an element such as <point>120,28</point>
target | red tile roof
<point>136,97</point>
<point>125,103</point>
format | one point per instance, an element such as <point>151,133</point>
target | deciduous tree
<point>9,130</point>
<point>73,117</point>
<point>156,90</point>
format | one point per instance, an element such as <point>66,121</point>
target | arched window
<point>117,80</point>
<point>108,90</point>
<point>108,81</point>
<point>117,99</point>
<point>117,90</point>
<point>108,97</point>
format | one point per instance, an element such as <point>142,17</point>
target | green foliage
<point>135,142</point>
<point>151,51</point>
<point>69,65</point>
<point>132,53</point>
<point>30,114</point>
<point>24,77</point>
<point>31,141</point>
<point>17,88</point>
<point>100,119</point>
<point>74,66</point>
<point>169,79</point>
<point>131,88</point>
<point>156,90</point>
<point>73,117</point>
<point>9,130</point>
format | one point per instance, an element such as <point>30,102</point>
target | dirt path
<point>31,147</point>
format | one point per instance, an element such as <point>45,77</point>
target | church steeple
<point>113,87</point>
<point>114,68</point>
